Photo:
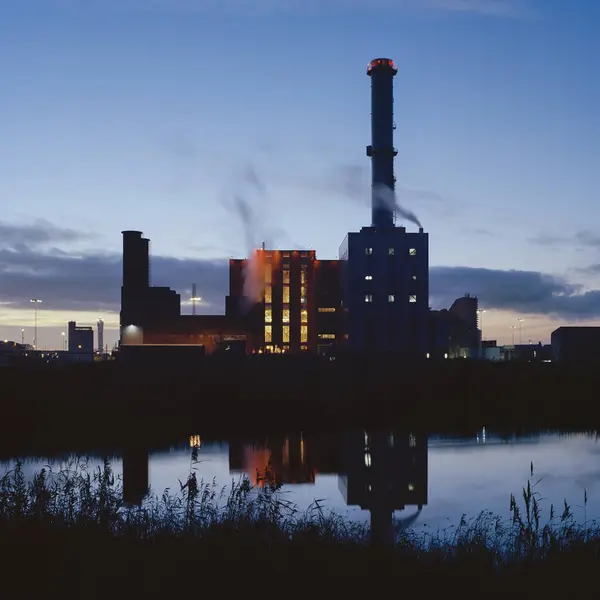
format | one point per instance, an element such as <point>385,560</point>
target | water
<point>380,470</point>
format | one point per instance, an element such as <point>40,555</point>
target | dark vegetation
<point>108,403</point>
<point>68,534</point>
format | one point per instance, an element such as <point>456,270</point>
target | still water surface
<point>449,477</point>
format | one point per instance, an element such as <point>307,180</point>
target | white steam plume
<point>385,196</point>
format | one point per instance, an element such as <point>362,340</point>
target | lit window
<point>268,315</point>
<point>303,277</point>
<point>390,251</point>
<point>412,440</point>
<point>286,334</point>
<point>303,334</point>
<point>367,459</point>
<point>368,277</point>
<point>391,440</point>
<point>414,277</point>
<point>391,298</point>
<point>327,336</point>
<point>286,315</point>
<point>411,487</point>
<point>369,298</point>
<point>413,252</point>
<point>412,298</point>
<point>368,251</point>
<point>268,294</point>
<point>303,316</point>
<point>286,295</point>
<point>267,275</point>
<point>268,333</point>
<point>286,275</point>
<point>326,310</point>
<point>304,348</point>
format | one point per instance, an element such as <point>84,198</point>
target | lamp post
<point>520,330</point>
<point>64,341</point>
<point>35,301</point>
<point>22,337</point>
<point>194,298</point>
<point>513,327</point>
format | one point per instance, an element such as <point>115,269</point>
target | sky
<point>161,115</point>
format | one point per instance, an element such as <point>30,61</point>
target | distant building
<point>576,345</point>
<point>81,341</point>
<point>100,325</point>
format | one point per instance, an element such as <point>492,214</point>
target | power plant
<point>373,300</point>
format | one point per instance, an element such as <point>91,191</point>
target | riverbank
<point>110,403</point>
<point>68,534</point>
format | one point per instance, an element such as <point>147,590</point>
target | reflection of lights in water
<point>481,438</point>
<point>195,441</point>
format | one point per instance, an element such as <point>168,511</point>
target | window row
<point>370,277</point>
<point>391,251</point>
<point>391,298</point>
<point>285,315</point>
<point>286,334</point>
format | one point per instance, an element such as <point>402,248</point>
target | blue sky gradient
<point>120,114</point>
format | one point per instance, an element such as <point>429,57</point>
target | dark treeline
<point>110,402</point>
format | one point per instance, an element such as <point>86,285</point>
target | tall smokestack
<point>382,152</point>
<point>136,260</point>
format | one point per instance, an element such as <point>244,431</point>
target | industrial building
<point>81,341</point>
<point>575,345</point>
<point>385,269</point>
<point>374,299</point>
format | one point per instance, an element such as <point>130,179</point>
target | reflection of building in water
<point>284,460</point>
<point>135,475</point>
<point>195,441</point>
<point>384,471</point>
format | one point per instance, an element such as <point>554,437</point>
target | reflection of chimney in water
<point>135,475</point>
<point>384,471</point>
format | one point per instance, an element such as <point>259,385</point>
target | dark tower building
<point>142,305</point>
<point>385,269</point>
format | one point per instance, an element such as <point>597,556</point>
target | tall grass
<point>90,501</point>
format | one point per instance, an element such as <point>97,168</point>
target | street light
<point>513,327</point>
<point>63,339</point>
<point>520,330</point>
<point>35,301</point>
<point>22,337</point>
<point>194,298</point>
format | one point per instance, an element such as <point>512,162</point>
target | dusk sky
<point>156,114</point>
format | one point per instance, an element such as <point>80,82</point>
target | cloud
<point>30,267</point>
<point>15,236</point>
<point>580,239</point>
<point>525,292</point>
<point>91,282</point>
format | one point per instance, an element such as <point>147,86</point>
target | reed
<point>80,514</point>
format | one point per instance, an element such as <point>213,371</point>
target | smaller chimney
<point>420,230</point>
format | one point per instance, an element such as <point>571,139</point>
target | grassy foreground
<point>69,534</point>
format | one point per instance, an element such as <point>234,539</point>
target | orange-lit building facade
<point>294,299</point>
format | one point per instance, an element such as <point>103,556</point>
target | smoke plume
<point>385,196</point>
